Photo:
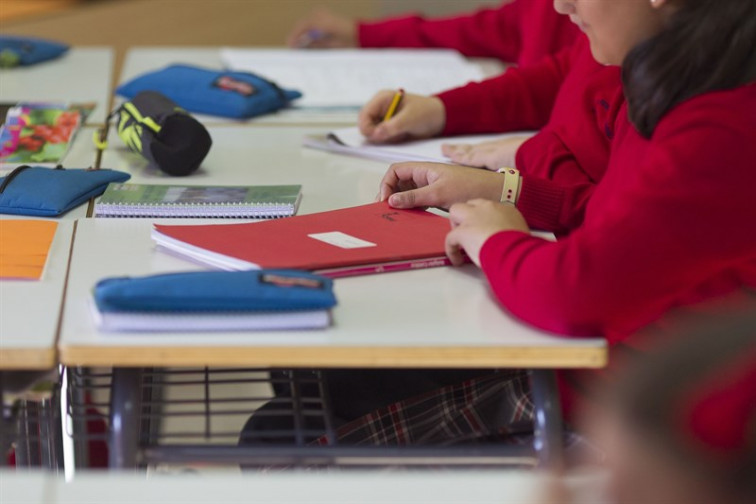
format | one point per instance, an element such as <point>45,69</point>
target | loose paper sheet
<point>350,141</point>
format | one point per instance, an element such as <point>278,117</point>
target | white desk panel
<point>436,317</point>
<point>83,74</point>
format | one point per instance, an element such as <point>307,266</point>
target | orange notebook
<point>360,240</point>
<point>24,247</point>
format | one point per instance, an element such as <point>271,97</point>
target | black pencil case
<point>163,133</point>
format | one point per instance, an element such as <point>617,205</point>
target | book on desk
<point>155,200</point>
<point>361,240</point>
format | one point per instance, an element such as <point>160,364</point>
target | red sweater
<point>671,223</point>
<point>573,100</point>
<point>522,32</point>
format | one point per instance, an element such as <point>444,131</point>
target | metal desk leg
<point>549,439</point>
<point>50,434</point>
<point>125,405</point>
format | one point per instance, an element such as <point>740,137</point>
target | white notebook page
<point>351,141</point>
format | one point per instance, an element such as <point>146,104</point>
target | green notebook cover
<point>154,200</point>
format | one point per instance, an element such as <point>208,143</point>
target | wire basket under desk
<point>196,417</point>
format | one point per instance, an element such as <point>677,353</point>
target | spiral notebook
<point>154,200</point>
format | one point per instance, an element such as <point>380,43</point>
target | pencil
<point>394,104</point>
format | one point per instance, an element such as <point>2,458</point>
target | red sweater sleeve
<point>488,33</point>
<point>519,99</point>
<point>521,31</point>
<point>670,224</point>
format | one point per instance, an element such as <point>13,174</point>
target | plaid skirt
<point>495,406</point>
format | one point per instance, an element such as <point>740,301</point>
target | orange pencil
<point>394,104</point>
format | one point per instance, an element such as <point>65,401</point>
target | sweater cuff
<point>540,202</point>
<point>457,106</point>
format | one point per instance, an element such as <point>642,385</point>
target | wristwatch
<point>511,187</point>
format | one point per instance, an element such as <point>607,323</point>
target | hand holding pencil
<point>397,116</point>
<point>394,105</point>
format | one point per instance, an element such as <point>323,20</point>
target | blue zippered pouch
<point>239,95</point>
<point>23,51</point>
<point>216,291</point>
<point>49,192</point>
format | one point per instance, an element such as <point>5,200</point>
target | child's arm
<point>520,31</point>
<point>670,227</point>
<point>487,33</point>
<point>518,100</point>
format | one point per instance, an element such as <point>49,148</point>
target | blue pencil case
<point>214,301</point>
<point>238,95</point>
<point>49,192</point>
<point>216,291</point>
<point>23,51</point>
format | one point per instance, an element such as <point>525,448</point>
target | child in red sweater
<point>519,31</point>
<point>666,225</point>
<point>669,223</point>
<point>572,99</point>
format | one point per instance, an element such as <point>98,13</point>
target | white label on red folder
<point>342,240</point>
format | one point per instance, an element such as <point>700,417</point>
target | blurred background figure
<point>518,31</point>
<point>681,424</point>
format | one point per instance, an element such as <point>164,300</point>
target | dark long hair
<point>707,45</point>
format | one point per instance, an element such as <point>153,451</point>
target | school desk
<point>439,317</point>
<point>83,74</point>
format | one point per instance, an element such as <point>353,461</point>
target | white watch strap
<point>511,185</point>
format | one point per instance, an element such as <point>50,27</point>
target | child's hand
<point>491,155</point>
<point>416,117</point>
<point>413,184</point>
<point>475,222</point>
<point>323,30</point>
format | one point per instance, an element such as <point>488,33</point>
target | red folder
<point>359,240</point>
